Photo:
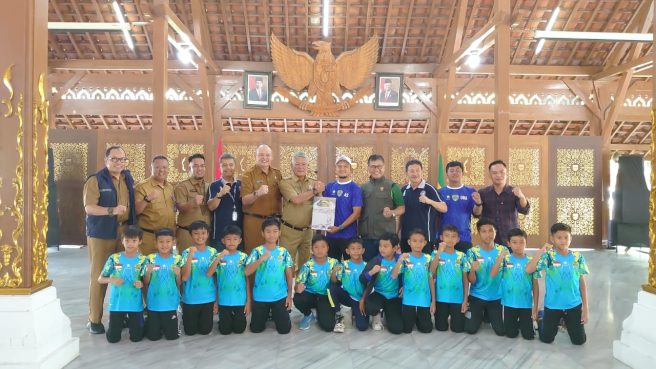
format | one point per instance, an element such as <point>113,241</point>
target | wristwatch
<point>110,211</point>
<point>146,199</point>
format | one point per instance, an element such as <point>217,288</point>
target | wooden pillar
<point>160,79</point>
<point>502,82</point>
<point>650,286</point>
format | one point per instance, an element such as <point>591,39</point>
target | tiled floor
<point>612,286</point>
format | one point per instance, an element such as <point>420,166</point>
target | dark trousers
<point>516,319</point>
<point>231,319</point>
<point>306,301</point>
<point>463,246</point>
<point>370,248</point>
<point>160,323</point>
<point>478,307</point>
<point>197,318</point>
<point>418,315</point>
<point>391,308</point>
<point>135,325</point>
<point>337,248</point>
<point>340,296</point>
<point>260,315</point>
<point>445,310</point>
<point>573,323</point>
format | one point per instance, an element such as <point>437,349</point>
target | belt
<point>262,216</point>
<point>148,230</point>
<point>294,227</point>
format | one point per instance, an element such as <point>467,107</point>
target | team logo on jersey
<point>455,197</point>
<point>339,193</point>
<point>346,195</point>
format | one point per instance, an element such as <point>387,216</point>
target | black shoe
<point>95,328</point>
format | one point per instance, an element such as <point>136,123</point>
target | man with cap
<point>389,95</point>
<point>347,210</point>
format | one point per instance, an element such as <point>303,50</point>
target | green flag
<point>440,171</point>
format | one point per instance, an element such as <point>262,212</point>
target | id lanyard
<point>234,203</point>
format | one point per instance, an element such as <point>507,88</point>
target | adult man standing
<point>190,200</point>
<point>109,206</point>
<point>298,191</point>
<point>502,202</point>
<point>462,201</point>
<point>224,201</point>
<point>382,204</point>
<point>347,210</point>
<point>260,196</point>
<point>422,203</point>
<point>155,204</point>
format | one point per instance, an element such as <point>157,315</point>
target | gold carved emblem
<point>324,76</point>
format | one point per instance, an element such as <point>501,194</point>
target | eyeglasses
<point>379,167</point>
<point>119,160</point>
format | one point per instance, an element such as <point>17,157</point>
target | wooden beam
<point>585,28</point>
<point>635,128</point>
<point>405,34</point>
<point>610,72</point>
<point>160,80</point>
<point>228,95</point>
<point>578,91</point>
<point>176,24</point>
<point>370,4</point>
<point>72,82</point>
<point>206,81</point>
<point>620,94</point>
<point>421,95</point>
<point>431,16</point>
<point>502,82</point>
<point>483,33</point>
<point>199,15</point>
<point>524,34</point>
<point>632,147</point>
<point>640,22</point>
<point>386,32</point>
<point>180,82</point>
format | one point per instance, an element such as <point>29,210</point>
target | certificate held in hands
<point>323,213</point>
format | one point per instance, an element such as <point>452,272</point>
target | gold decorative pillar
<point>650,286</point>
<point>35,332</point>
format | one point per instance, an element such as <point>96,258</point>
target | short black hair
<point>355,240</point>
<point>132,232</point>
<point>413,162</point>
<point>160,157</point>
<point>453,164</point>
<point>489,167</point>
<point>485,221</point>
<point>516,232</point>
<point>417,231</point>
<point>163,232</point>
<point>231,230</point>
<point>561,227</point>
<point>195,156</point>
<point>270,221</point>
<point>450,228</point>
<point>113,147</point>
<point>319,237</point>
<point>375,157</point>
<point>392,238</point>
<point>199,224</point>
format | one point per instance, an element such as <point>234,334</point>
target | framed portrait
<point>389,91</point>
<point>258,87</point>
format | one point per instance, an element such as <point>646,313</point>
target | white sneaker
<point>339,325</point>
<point>377,323</point>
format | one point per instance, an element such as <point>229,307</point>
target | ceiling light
<point>594,36</point>
<point>474,59</point>
<point>326,15</point>
<point>184,55</point>
<point>550,24</point>
<point>119,15</point>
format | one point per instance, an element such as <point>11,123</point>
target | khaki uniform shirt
<point>252,180</point>
<point>160,212</point>
<point>298,215</point>
<point>185,192</point>
<point>92,194</point>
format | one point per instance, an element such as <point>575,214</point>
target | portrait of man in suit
<point>388,89</point>
<point>258,91</point>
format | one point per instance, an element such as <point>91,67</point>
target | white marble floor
<point>613,286</point>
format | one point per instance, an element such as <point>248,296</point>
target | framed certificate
<point>323,213</point>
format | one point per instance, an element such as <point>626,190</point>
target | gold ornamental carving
<point>244,156</point>
<point>575,167</point>
<point>400,155</point>
<point>578,212</point>
<point>359,156</point>
<point>70,161</point>
<point>524,166</point>
<point>288,151</point>
<point>40,186</point>
<point>473,159</point>
<point>530,222</point>
<point>650,286</point>
<point>324,76</point>
<point>136,153</point>
<point>11,255</point>
<point>178,154</point>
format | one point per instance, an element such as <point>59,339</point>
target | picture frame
<point>258,87</point>
<point>389,91</point>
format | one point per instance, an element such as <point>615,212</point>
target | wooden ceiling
<point>410,31</point>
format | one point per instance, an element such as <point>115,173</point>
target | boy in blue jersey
<point>347,289</point>
<point>124,271</point>
<point>162,280</point>
<point>485,290</point>
<point>234,293</point>
<point>450,268</point>
<point>418,303</point>
<point>565,288</point>
<point>272,290</point>
<point>198,290</point>
<point>312,287</point>
<point>377,275</point>
<point>519,289</point>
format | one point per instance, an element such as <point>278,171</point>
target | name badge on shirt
<point>441,261</point>
<point>313,273</point>
<point>556,263</point>
<point>118,266</point>
<point>480,260</point>
<point>510,265</point>
<point>383,268</point>
<point>410,265</point>
<point>223,262</point>
<point>155,267</point>
<point>194,260</point>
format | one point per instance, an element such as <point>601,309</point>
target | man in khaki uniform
<point>298,191</point>
<point>190,201</point>
<point>109,207</point>
<point>155,204</point>
<point>260,196</point>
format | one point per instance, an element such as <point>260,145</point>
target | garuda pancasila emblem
<point>324,76</point>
